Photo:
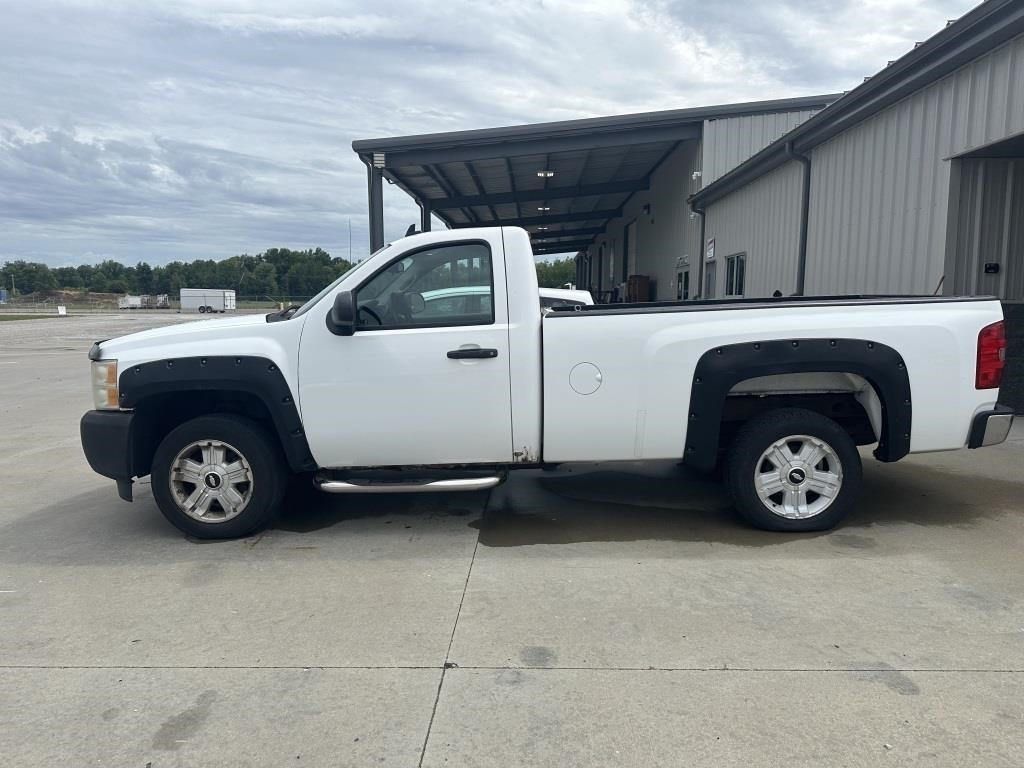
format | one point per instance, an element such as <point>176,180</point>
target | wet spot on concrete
<point>310,511</point>
<point>178,729</point>
<point>538,656</point>
<point>110,714</point>
<point>892,679</point>
<point>534,508</point>
<point>852,541</point>
<point>899,682</point>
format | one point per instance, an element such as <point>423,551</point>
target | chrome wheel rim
<point>211,481</point>
<point>798,477</point>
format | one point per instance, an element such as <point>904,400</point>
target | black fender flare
<point>720,369</point>
<point>257,376</point>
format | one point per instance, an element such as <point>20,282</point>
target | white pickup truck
<point>430,366</point>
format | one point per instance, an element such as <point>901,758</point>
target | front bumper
<point>990,427</point>
<point>108,445</point>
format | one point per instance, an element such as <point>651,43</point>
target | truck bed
<point>628,374</point>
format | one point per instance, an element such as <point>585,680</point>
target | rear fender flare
<point>720,369</point>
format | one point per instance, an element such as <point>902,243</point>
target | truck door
<point>415,384</point>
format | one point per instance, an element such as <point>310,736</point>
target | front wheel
<point>793,470</point>
<point>218,477</point>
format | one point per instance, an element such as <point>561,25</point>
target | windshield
<point>309,304</point>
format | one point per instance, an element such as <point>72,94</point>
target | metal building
<point>913,182</point>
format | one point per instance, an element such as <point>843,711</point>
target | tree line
<point>275,272</point>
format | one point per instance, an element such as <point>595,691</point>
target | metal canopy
<point>562,181</point>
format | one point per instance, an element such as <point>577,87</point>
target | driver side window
<point>445,285</point>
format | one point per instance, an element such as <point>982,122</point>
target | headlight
<point>104,385</point>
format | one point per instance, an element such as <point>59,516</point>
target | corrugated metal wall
<point>989,228</point>
<point>665,235</point>
<point>731,140</point>
<point>880,191</point>
<point>763,221</point>
<point>668,238</point>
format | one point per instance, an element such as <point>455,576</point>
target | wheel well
<point>157,415</point>
<point>845,408</point>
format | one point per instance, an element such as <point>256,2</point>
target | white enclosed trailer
<point>207,300</point>
<point>129,302</point>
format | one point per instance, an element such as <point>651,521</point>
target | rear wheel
<point>218,477</point>
<point>793,470</point>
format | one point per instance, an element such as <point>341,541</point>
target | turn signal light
<point>991,356</point>
<point>104,385</point>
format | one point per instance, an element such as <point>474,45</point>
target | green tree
<point>67,277</point>
<point>28,276</point>
<point>555,274</point>
<point>143,278</point>
<point>262,281</point>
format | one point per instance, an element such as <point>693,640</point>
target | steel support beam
<point>556,218</point>
<point>424,216</point>
<point>548,145</point>
<point>375,189</point>
<point>552,193</point>
<point>572,245</point>
<point>585,231</point>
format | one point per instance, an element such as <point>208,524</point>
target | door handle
<point>473,353</point>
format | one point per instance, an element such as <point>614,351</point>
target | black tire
<point>253,444</point>
<point>746,457</point>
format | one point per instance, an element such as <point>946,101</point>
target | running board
<point>428,486</point>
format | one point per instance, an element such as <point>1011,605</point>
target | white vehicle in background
<point>564,297</point>
<point>145,301</point>
<point>366,390</point>
<point>207,300</point>
<point>469,299</point>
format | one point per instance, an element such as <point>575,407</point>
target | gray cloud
<point>201,129</point>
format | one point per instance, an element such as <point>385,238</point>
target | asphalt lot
<point>593,616</point>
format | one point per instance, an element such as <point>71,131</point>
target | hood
<point>196,330</point>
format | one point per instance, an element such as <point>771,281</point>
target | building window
<point>683,285</point>
<point>735,274</point>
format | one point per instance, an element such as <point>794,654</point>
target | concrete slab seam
<point>447,654</point>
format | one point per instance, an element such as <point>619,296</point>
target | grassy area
<point>23,317</point>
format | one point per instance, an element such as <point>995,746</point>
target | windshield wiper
<point>283,314</point>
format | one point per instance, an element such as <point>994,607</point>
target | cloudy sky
<point>178,130</point>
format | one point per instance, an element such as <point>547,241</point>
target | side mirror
<point>341,320</point>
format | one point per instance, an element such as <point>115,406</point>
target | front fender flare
<point>257,376</point>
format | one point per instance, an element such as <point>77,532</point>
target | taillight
<point>991,356</point>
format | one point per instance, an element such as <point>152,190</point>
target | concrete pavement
<point>592,616</point>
